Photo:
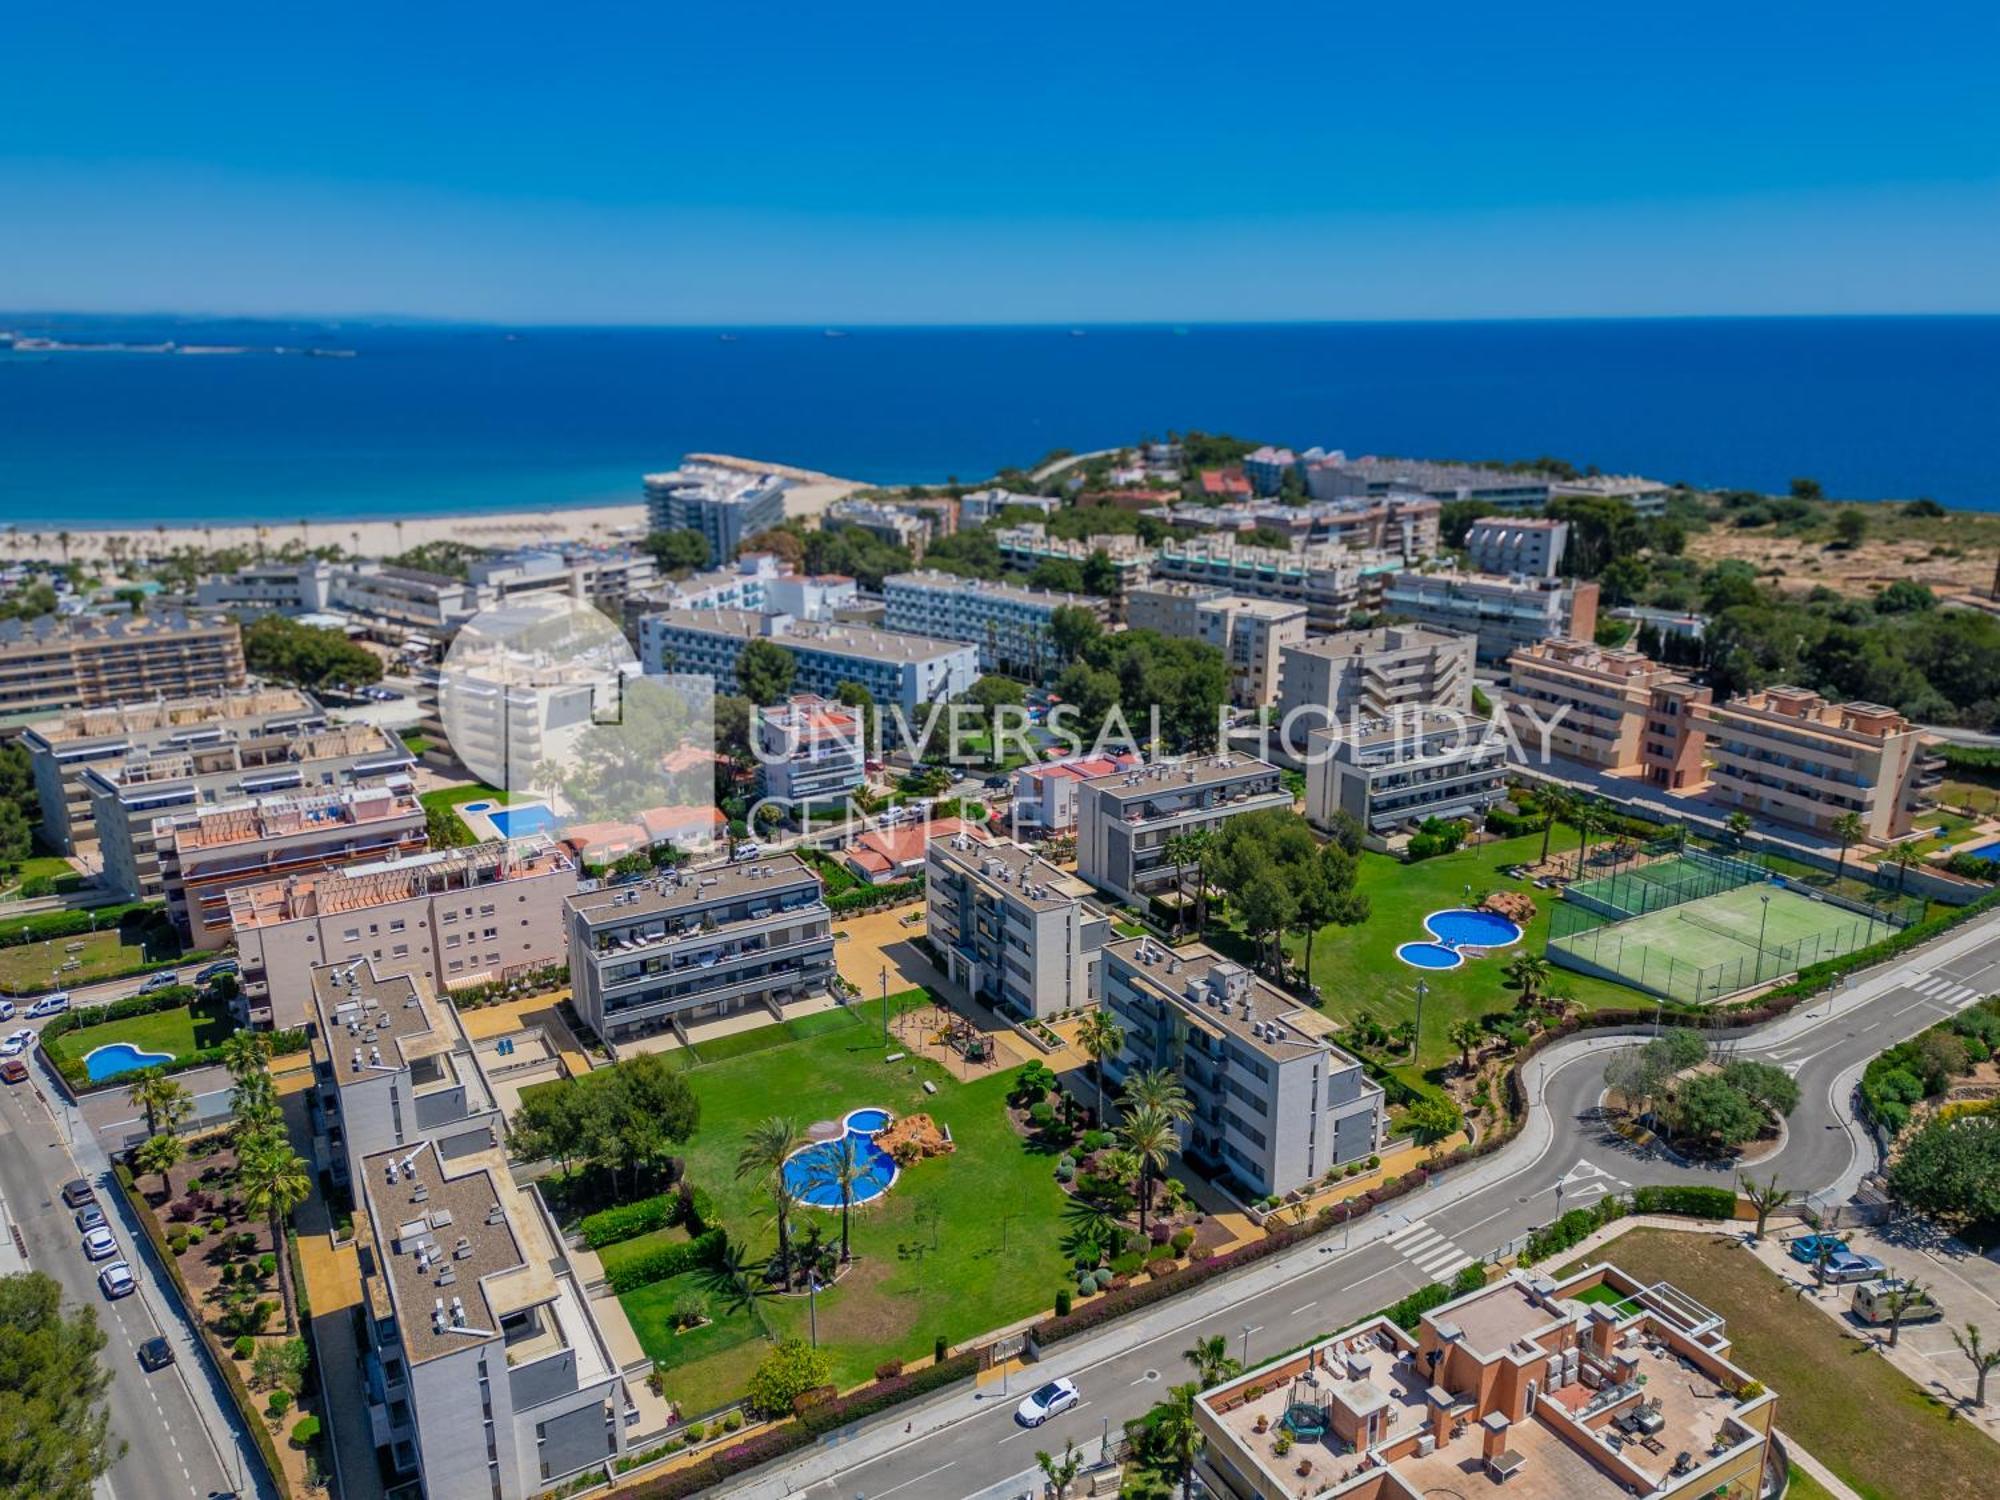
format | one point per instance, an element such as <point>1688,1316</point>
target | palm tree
<point>274,1182</point>
<point>1848,827</point>
<point>1765,1198</point>
<point>64,538</point>
<point>1156,1088</point>
<point>765,1149</point>
<point>1101,1037</point>
<point>1464,1034</point>
<point>1529,972</point>
<point>1061,1473</point>
<point>1901,1298</point>
<point>1149,1134</point>
<point>246,1053</point>
<point>1180,852</point>
<point>1738,824</point>
<point>1586,818</point>
<point>1211,1361</point>
<point>1557,805</point>
<point>1902,857</point>
<point>1983,1359</point>
<point>254,1101</point>
<point>164,1101</point>
<point>1201,842</point>
<point>160,1153</point>
<point>1406,1036</point>
<point>1174,1427</point>
<point>843,1171</point>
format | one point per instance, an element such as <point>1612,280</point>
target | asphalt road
<point>169,1451</point>
<point>965,1445</point>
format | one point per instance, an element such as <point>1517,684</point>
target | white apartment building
<point>1018,932</point>
<point>1646,496</point>
<point>898,670</point>
<point>725,506</point>
<point>1503,612</point>
<point>1372,672</point>
<point>983,506</point>
<point>1523,546</point>
<point>811,750</point>
<point>1011,626</point>
<point>1125,819</point>
<point>288,588</point>
<point>697,946</point>
<point>603,575</point>
<point>58,662</point>
<point>397,601</point>
<point>1332,582</point>
<point>1391,773</point>
<point>1251,633</point>
<point>905,526</point>
<point>1276,1105</point>
<point>449,917</point>
<point>1023,546</point>
<point>1044,801</point>
<point>1331,476</point>
<point>129,799</point>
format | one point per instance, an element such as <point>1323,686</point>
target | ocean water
<point>430,419</point>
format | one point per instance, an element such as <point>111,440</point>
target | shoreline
<point>592,522</point>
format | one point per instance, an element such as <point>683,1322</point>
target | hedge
<point>43,926</point>
<point>1816,978</point>
<point>866,897</point>
<point>1689,1202</point>
<point>628,1221</point>
<point>668,1260</point>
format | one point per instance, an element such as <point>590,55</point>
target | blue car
<point>1806,1248</point>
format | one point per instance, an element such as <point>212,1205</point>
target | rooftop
<point>168,715</point>
<point>90,630</point>
<point>938,581</point>
<point>837,640</point>
<point>360,1015</point>
<point>675,891</point>
<point>1381,639</point>
<point>358,887</point>
<point>1222,998</point>
<point>1168,776</point>
<point>1026,875</point>
<point>280,817</point>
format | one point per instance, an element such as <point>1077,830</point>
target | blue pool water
<point>520,822</point>
<point>1481,929</point>
<point>1429,956</point>
<point>1987,851</point>
<point>806,1170</point>
<point>119,1057</point>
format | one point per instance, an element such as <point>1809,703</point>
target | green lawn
<point>991,1256</point>
<point>1850,1408</point>
<point>1356,968</point>
<point>614,1256</point>
<point>1802,1486</point>
<point>182,1031</point>
<point>708,1366</point>
<point>30,968</point>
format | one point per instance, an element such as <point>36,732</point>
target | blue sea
<point>432,419</point>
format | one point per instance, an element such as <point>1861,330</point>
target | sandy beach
<point>811,493</point>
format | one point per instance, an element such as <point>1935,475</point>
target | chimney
<point>1493,1441</point>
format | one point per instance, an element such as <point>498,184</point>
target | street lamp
<point>1246,1346</point>
<point>1761,920</point>
<point>885,1005</point>
<point>1423,989</point>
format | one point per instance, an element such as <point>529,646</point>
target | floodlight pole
<point>1761,921</point>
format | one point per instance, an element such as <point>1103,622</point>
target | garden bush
<point>1689,1201</point>
<point>304,1431</point>
<point>667,1260</point>
<point>280,1402</point>
<point>629,1220</point>
<point>1062,1302</point>
<point>244,1347</point>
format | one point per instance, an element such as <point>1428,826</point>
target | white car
<point>1053,1399</point>
<point>116,1280</point>
<point>17,1042</point>
<point>100,1244</point>
<point>6,1010</point>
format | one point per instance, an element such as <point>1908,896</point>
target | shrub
<point>218,1225</point>
<point>663,1261</point>
<point>937,1350</point>
<point>695,1432</point>
<point>888,1369</point>
<point>244,1347</point>
<point>280,1402</point>
<point>1126,1264</point>
<point>304,1431</point>
<point>1160,1253</point>
<point>732,1420</point>
<point>1042,1113</point>
<point>1062,1304</point>
<point>630,1220</point>
<point>1693,1202</point>
<point>1159,1233</point>
<point>789,1371</point>
<point>1182,1239</point>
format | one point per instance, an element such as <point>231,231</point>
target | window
<point>351,935</point>
<point>397,925</point>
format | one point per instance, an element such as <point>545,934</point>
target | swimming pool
<point>1984,851</point>
<point>1429,956</point>
<point>519,822</point>
<point>109,1061</point>
<point>1455,928</point>
<point>809,1170</point>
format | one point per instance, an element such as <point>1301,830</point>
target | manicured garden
<point>1847,1406</point>
<point>1357,970</point>
<point>118,948</point>
<point>958,1244</point>
<point>181,1031</point>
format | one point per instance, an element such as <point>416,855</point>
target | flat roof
<point>1269,1027</point>
<point>1022,872</point>
<point>858,641</point>
<point>673,891</point>
<point>1166,776</point>
<point>953,583</point>
<point>1381,640</point>
<point>381,882</point>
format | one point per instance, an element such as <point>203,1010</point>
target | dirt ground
<point>1807,562</point>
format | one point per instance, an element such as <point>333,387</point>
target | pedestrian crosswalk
<point>1431,1253</point>
<point>1946,991</point>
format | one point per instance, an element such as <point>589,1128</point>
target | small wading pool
<point>109,1061</point>
<point>1429,956</point>
<point>809,1171</point>
<point>1455,928</point>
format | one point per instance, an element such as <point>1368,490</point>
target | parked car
<point>1871,1302</point>
<point>89,1217</point>
<point>1844,1266</point>
<point>13,1070</point>
<point>116,1280</point>
<point>100,1244</point>
<point>1053,1399</point>
<point>50,1005</point>
<point>998,783</point>
<point>17,1042</point>
<point>1805,1249</point>
<point>6,1010</point>
<point>749,849</point>
<point>216,971</point>
<point>155,1354</point>
<point>165,979</point>
<point>77,1192</point>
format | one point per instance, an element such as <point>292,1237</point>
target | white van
<point>749,849</point>
<point>1871,1303</point>
<point>50,1005</point>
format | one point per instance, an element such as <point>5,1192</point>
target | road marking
<point>918,1480</point>
<point>1031,1431</point>
<point>1307,1308</point>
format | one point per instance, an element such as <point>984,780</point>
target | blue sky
<point>758,163</point>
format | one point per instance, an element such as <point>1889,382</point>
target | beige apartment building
<point>1791,756</point>
<point>1251,633</point>
<point>62,748</point>
<point>60,662</point>
<point>1125,818</point>
<point>1617,711</point>
<point>205,853</point>
<point>451,917</point>
<point>1373,674</point>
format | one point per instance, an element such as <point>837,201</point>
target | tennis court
<point>1700,928</point>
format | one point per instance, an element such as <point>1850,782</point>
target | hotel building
<point>1596,1386</point>
<point>59,662</point>
<point>1017,932</point>
<point>1527,546</point>
<point>1125,819</point>
<point>205,853</point>
<point>1023,546</point>
<point>250,726</point>
<point>905,671</point>
<point>485,1369</point>
<point>1373,673</point>
<point>1276,1104</point>
<point>1392,773</point>
<point>811,750</point>
<point>1789,755</point>
<point>396,602</point>
<point>286,588</point>
<point>697,946</point>
<point>1503,613</point>
<point>1010,625</point>
<point>1332,582</point>
<point>450,917</point>
<point>1617,711</point>
<point>128,800</point>
<point>725,506</point>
